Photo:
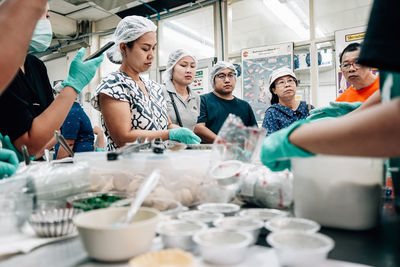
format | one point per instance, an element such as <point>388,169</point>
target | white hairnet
<point>220,65</point>
<point>129,29</point>
<point>173,58</point>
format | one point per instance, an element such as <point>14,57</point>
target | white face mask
<point>42,36</point>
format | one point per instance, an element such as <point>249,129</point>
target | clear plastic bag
<point>182,173</point>
<point>236,141</point>
<point>52,181</point>
<point>265,188</point>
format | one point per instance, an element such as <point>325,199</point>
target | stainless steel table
<point>378,247</point>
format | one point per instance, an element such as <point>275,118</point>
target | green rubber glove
<point>184,135</point>
<point>6,142</point>
<point>276,148</point>
<point>335,109</point>
<point>81,73</point>
<point>8,163</point>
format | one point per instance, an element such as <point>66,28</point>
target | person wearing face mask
<point>183,103</point>
<point>14,39</point>
<point>132,106</point>
<point>30,115</point>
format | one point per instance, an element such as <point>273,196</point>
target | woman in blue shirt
<point>284,109</point>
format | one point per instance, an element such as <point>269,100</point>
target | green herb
<point>97,202</point>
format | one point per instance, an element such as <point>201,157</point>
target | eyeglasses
<point>283,82</point>
<point>222,76</point>
<point>346,66</point>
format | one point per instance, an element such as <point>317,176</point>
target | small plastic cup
<point>300,249</point>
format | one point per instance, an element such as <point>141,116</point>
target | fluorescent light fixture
<point>289,18</point>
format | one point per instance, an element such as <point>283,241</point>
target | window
<point>253,23</point>
<point>331,16</point>
<point>193,31</point>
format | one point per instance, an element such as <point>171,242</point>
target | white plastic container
<point>300,249</point>
<point>340,192</point>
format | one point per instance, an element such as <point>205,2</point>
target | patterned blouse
<point>146,114</point>
<point>278,116</point>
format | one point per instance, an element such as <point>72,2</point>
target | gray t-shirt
<point>188,110</point>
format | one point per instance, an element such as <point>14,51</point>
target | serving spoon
<point>145,188</point>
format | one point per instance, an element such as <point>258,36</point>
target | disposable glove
<point>8,163</point>
<point>184,135</point>
<point>276,148</point>
<point>335,109</point>
<point>6,142</point>
<point>81,73</point>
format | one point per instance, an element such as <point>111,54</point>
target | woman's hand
<point>184,135</point>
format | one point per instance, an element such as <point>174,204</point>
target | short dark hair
<point>350,48</point>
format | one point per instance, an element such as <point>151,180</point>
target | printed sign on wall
<point>258,63</point>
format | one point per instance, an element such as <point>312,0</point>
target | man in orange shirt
<point>363,82</point>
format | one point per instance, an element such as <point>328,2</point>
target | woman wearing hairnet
<point>284,109</point>
<point>29,114</point>
<point>183,104</point>
<point>132,106</point>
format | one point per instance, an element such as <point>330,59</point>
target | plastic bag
<point>265,188</point>
<point>52,181</point>
<point>236,141</point>
<point>182,173</point>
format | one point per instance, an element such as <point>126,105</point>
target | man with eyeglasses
<point>217,105</point>
<point>363,82</point>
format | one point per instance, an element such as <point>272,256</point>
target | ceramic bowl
<point>106,242</point>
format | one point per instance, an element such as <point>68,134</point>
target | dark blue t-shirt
<point>278,116</point>
<point>214,111</point>
<point>77,127</point>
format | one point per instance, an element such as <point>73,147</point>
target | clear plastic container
<point>296,249</point>
<point>341,192</point>
<point>294,224</point>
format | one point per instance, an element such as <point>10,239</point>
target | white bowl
<point>105,242</point>
<point>218,246</point>
<point>245,224</point>
<point>296,248</point>
<point>263,214</point>
<point>227,209</point>
<point>227,172</point>
<point>179,234</point>
<point>290,223</point>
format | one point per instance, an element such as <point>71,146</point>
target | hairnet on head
<point>173,58</point>
<point>129,29</point>
<point>220,65</point>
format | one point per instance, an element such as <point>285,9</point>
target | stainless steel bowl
<point>53,223</point>
<point>219,246</point>
<point>245,224</point>
<point>227,209</point>
<point>179,234</point>
<point>200,216</point>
